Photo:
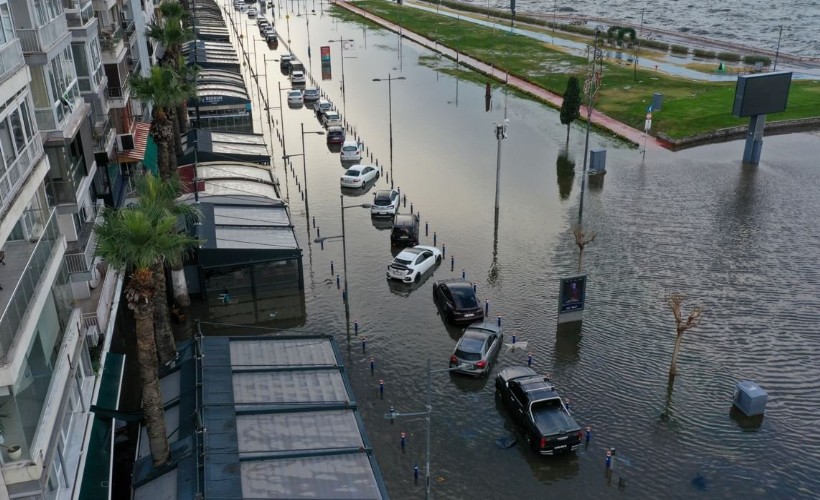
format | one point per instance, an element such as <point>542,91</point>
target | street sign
<point>325,51</point>
<point>647,126</point>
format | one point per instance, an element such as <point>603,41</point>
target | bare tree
<point>582,239</point>
<point>675,302</point>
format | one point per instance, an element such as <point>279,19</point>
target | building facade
<point>65,67</point>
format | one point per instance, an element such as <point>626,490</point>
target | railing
<point>80,262</point>
<point>129,28</point>
<point>44,37</point>
<point>102,315</point>
<point>102,142</point>
<point>120,93</point>
<point>27,284</point>
<point>11,58</point>
<point>110,40</point>
<point>19,169</point>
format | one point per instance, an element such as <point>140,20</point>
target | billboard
<point>573,293</point>
<point>325,49</point>
<point>761,94</point>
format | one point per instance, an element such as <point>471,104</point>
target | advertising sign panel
<point>572,294</point>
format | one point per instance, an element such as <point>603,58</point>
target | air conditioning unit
<point>125,142</point>
<point>92,334</point>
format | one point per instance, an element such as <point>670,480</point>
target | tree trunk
<point>673,368</point>
<point>181,296</point>
<point>166,347</point>
<point>580,258</point>
<point>177,139</point>
<point>568,126</point>
<point>141,304</point>
<point>162,138</point>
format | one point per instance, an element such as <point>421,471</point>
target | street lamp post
<point>321,240</point>
<point>342,42</point>
<point>282,119</point>
<point>389,79</point>
<point>428,414</point>
<point>500,134</point>
<point>304,162</point>
<point>592,84</point>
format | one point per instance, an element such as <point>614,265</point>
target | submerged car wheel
<point>438,259</point>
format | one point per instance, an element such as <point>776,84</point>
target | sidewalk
<point>622,130</point>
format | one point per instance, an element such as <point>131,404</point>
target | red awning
<point>140,141</point>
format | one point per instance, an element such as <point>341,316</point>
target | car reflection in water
<point>405,289</point>
<point>359,191</point>
<point>385,224</point>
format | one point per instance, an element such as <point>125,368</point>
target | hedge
<point>654,44</point>
<point>680,49</point>
<point>752,60</point>
<point>729,56</point>
<point>704,54</point>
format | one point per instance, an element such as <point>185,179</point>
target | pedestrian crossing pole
<point>646,127</point>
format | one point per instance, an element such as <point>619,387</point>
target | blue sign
<point>572,294</point>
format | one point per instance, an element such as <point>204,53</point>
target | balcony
<point>18,171</point>
<point>104,136</point>
<point>112,44</point>
<point>118,96</point>
<point>79,254</point>
<point>129,29</point>
<point>25,263</point>
<point>96,309</point>
<point>11,59</point>
<point>44,37</point>
<point>79,13</point>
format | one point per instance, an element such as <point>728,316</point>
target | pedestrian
<point>226,296</point>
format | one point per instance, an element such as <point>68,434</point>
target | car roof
<point>409,253</point>
<point>357,167</point>
<point>404,219</point>
<point>455,283</point>
<point>295,91</point>
<point>311,89</point>
<point>351,143</point>
<point>484,326</point>
<point>334,129</point>
<point>329,113</point>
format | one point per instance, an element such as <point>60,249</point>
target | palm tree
<point>162,198</point>
<point>169,31</point>
<point>133,241</point>
<point>164,89</point>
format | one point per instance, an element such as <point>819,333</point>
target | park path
<point>620,129</point>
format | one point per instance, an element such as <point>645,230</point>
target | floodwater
<point>739,240</point>
<point>753,24</point>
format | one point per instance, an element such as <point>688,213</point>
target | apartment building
<point>64,72</point>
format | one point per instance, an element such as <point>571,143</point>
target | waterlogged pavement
<point>633,135</point>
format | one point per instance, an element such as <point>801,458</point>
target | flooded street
<point>741,241</point>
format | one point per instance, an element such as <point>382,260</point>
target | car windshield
<point>349,149</point>
<point>352,173</point>
<point>295,94</point>
<point>464,296</point>
<point>382,198</point>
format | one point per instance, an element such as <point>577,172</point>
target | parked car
<point>261,20</point>
<point>405,230</point>
<point>310,94</point>
<point>385,202</point>
<point>411,263</point>
<point>284,61</point>
<point>295,97</point>
<point>331,119</point>
<point>270,36</point>
<point>351,151</point>
<point>295,65</point>
<point>322,106</point>
<point>477,348</point>
<point>297,78</point>
<point>457,301</point>
<point>359,175</point>
<point>335,135</point>
<point>534,404</point>
<point>251,12</point>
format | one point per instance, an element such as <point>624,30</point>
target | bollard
<point>364,344</point>
<point>411,207</point>
<point>314,221</point>
<point>498,320</point>
<point>331,268</point>
<point>404,201</point>
<point>356,326</point>
<point>434,238</point>
<point>303,195</point>
<point>337,281</point>
<point>392,415</point>
<point>403,435</point>
<point>513,339</point>
<point>427,229</point>
<point>416,473</point>
<point>452,263</point>
<point>529,359</point>
<point>381,389</point>
<point>372,365</point>
<point>475,288</point>
<point>344,294</point>
<point>612,458</point>
<point>566,405</point>
<point>487,307</point>
<point>322,246</point>
<point>608,459</point>
<point>588,434</point>
<point>381,170</point>
<point>443,249</point>
<point>317,233</point>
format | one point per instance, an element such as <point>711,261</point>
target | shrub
<point>752,60</point>
<point>704,54</point>
<point>654,44</point>
<point>680,49</point>
<point>728,56</point>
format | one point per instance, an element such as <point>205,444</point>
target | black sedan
<point>457,301</point>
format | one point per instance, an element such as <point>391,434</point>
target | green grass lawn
<point>690,107</point>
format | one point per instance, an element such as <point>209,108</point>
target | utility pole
<point>500,135</point>
<point>342,42</point>
<point>592,84</point>
<point>638,47</point>
<point>777,52</point>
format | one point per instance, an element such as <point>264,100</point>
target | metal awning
<point>136,155</point>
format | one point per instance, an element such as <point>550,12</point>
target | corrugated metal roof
<point>250,216</point>
<point>269,238</point>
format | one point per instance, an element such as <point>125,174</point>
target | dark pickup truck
<point>535,405</point>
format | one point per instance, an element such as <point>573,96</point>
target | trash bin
<point>750,398</point>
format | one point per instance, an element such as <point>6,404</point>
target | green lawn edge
<point>690,107</point>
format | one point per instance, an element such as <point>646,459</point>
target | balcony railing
<point>44,37</point>
<point>110,41</point>
<point>103,137</point>
<point>24,290</point>
<point>19,169</point>
<point>119,93</point>
<point>80,254</point>
<point>129,29</point>
<point>101,314</point>
<point>11,58</point>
